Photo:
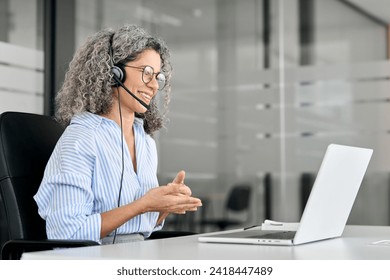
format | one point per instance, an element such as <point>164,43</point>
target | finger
<point>172,188</point>
<point>179,189</point>
<point>179,204</point>
<point>187,200</point>
<point>185,190</point>
<point>179,179</point>
<point>186,208</point>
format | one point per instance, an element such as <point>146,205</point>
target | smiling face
<point>135,83</point>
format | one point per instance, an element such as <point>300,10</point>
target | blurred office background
<point>260,89</point>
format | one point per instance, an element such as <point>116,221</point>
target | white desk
<point>355,244</point>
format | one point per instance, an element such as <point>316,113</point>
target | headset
<point>119,75</point>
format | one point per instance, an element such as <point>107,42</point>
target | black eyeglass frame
<point>153,74</point>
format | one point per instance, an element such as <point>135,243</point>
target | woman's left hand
<point>179,179</point>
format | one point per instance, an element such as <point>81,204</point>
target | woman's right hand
<point>172,198</point>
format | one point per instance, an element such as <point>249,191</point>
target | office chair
<point>238,201</point>
<point>268,196</point>
<point>26,143</point>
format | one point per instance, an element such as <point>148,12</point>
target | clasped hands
<point>174,198</point>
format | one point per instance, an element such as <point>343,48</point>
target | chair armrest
<point>13,249</point>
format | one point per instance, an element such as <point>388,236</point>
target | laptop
<point>327,209</point>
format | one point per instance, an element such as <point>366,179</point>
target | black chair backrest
<point>307,182</point>
<point>26,143</point>
<point>239,198</point>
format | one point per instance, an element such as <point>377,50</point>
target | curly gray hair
<point>88,81</point>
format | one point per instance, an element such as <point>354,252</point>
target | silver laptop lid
<point>333,193</point>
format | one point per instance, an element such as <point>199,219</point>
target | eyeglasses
<point>148,73</point>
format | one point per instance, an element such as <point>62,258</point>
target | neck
<point>127,118</point>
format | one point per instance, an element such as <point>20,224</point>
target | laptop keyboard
<point>275,235</point>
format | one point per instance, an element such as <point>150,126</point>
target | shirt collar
<point>93,120</point>
<point>87,119</point>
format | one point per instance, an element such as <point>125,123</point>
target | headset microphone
<point>119,75</point>
<point>129,92</point>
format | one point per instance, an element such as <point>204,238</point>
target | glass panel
<point>21,56</point>
<point>337,94</point>
<point>261,88</point>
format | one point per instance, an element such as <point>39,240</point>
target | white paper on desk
<point>275,225</point>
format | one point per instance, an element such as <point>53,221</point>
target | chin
<point>141,110</point>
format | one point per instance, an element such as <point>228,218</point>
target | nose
<point>153,83</point>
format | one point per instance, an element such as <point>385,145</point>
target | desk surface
<point>356,243</point>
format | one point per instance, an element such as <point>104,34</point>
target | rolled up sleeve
<point>69,211</point>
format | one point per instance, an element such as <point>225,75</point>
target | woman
<point>100,182</point>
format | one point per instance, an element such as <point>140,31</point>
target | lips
<point>146,96</point>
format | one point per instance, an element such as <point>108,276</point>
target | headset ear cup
<point>119,74</point>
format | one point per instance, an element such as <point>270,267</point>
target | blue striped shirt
<point>82,179</point>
